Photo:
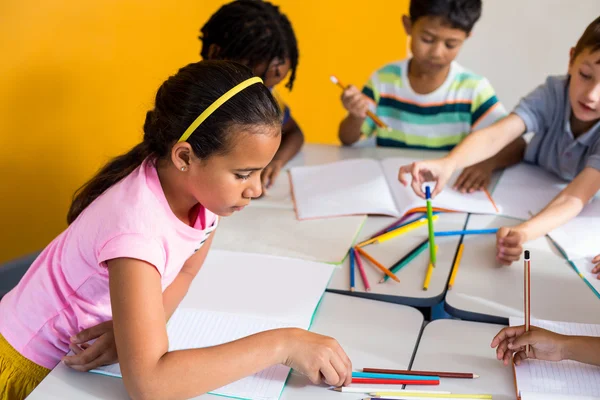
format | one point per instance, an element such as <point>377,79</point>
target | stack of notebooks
<point>564,380</point>
<point>238,294</point>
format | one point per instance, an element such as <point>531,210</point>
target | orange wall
<point>78,77</point>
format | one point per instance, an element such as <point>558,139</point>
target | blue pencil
<point>394,376</point>
<point>352,270</point>
<point>467,232</point>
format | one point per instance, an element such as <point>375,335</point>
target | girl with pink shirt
<point>138,234</point>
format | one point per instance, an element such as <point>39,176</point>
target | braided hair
<point>252,32</point>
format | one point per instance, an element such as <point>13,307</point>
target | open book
<point>526,189</point>
<point>537,380</point>
<point>365,186</point>
<point>236,295</point>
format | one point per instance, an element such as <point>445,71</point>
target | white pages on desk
<point>238,294</point>
<point>366,186</point>
<point>549,380</point>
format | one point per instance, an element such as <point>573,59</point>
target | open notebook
<point>525,189</point>
<point>537,380</point>
<point>365,186</point>
<point>239,294</point>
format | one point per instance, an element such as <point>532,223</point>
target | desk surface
<point>410,289</point>
<point>486,291</point>
<point>462,346</point>
<point>371,332</point>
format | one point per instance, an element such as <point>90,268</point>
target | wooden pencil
<point>456,265</point>
<point>377,264</point>
<point>489,196</point>
<point>441,374</point>
<point>374,117</point>
<point>361,270</point>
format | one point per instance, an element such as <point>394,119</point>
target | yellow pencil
<point>456,265</point>
<point>392,234</point>
<point>429,272</point>
<point>431,395</point>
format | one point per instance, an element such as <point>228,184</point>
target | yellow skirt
<point>18,375</point>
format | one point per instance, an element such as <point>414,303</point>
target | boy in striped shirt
<point>429,101</point>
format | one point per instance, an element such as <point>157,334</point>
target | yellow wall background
<point>78,77</point>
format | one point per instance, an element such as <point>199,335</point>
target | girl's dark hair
<point>253,32</point>
<point>179,101</point>
<point>590,39</point>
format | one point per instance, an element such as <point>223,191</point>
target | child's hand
<point>596,269</point>
<point>89,356</point>
<point>544,345</point>
<point>474,178</point>
<point>269,174</point>
<point>438,171</point>
<point>320,358</point>
<point>355,102</point>
<point>509,244</point>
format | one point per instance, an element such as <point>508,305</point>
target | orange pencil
<point>489,196</point>
<point>374,117</point>
<point>377,264</point>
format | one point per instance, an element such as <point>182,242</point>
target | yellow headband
<point>218,103</point>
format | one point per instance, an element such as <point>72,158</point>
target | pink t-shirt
<point>66,289</point>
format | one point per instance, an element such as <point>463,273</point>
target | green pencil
<point>403,262</point>
<point>430,225</point>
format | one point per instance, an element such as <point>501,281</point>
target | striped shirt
<point>438,120</point>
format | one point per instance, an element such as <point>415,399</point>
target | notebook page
<point>579,237</point>
<point>524,188</point>
<point>190,328</point>
<point>450,199</point>
<point>259,285</point>
<point>346,187</point>
<point>567,378</point>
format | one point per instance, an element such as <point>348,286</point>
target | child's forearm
<point>584,349</point>
<point>292,140</point>
<point>485,143</point>
<point>213,367</point>
<point>560,210</point>
<point>350,129</point>
<point>510,155</point>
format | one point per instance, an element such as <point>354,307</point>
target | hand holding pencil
<point>509,244</point>
<point>545,345</point>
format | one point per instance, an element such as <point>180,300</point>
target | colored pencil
<point>393,396</point>
<point>456,265</point>
<point>351,256</point>
<point>361,270</point>
<point>377,375</point>
<point>458,375</point>
<point>527,290</point>
<point>466,232</point>
<point>398,265</point>
<point>377,264</point>
<point>396,232</point>
<point>489,196</point>
<point>374,117</point>
<point>430,226</point>
<point>429,273</point>
<point>394,382</point>
<point>396,392</point>
<point>405,220</point>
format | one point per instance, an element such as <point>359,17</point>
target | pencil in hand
<point>371,115</point>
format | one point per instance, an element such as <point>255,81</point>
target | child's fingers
<point>521,356</point>
<point>460,180</point>
<point>507,333</point>
<point>470,182</point>
<point>405,169</point>
<point>596,259</point>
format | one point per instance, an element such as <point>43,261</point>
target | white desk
<point>462,346</point>
<point>486,291</point>
<point>269,225</point>
<point>372,333</point>
<point>410,289</point>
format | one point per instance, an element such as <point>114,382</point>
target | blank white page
<point>566,378</point>
<point>189,329</point>
<point>347,187</point>
<point>450,199</point>
<point>259,285</point>
<point>579,237</point>
<point>524,188</point>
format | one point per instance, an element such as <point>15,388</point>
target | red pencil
<point>361,270</point>
<point>394,381</point>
